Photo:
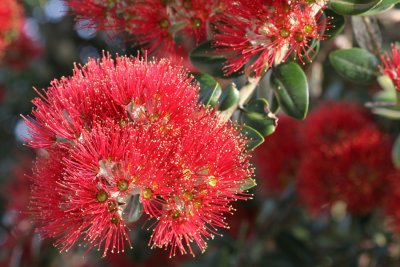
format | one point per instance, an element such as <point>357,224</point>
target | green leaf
<point>210,90</point>
<point>355,64</point>
<point>290,86</point>
<point>382,6</point>
<point>396,153</point>
<point>229,97</point>
<point>352,7</point>
<point>254,138</point>
<point>206,60</point>
<point>258,116</point>
<point>336,22</point>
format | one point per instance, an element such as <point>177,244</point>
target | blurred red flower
<point>278,158</point>
<point>347,158</point>
<point>11,19</point>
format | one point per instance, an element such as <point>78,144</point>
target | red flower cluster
<point>256,33</point>
<point>346,158</point>
<point>278,158</point>
<point>163,27</point>
<point>124,137</point>
<point>337,154</point>
<point>11,19</point>
<point>391,65</point>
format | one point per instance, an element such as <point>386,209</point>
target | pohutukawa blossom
<point>353,164</point>
<point>138,143</point>
<point>391,65</point>
<point>10,22</point>
<point>256,34</point>
<point>162,27</point>
<point>277,160</point>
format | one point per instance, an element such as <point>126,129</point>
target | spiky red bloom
<point>255,34</point>
<point>139,142</point>
<point>351,164</point>
<point>209,172</point>
<point>163,28</point>
<point>391,65</point>
<point>278,158</point>
<point>11,19</point>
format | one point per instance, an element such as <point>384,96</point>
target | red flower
<point>139,142</point>
<point>163,28</point>
<point>391,65</point>
<point>351,164</point>
<point>22,51</point>
<point>333,123</point>
<point>255,34</point>
<point>277,159</point>
<point>210,169</point>
<point>11,19</point>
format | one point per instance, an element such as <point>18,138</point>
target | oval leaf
<point>291,89</point>
<point>352,7</point>
<point>210,90</point>
<point>254,138</point>
<point>383,6</point>
<point>229,97</point>
<point>258,116</point>
<point>355,64</point>
<point>206,60</point>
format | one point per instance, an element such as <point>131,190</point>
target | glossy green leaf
<point>396,153</point>
<point>352,7</point>
<point>229,97</point>
<point>206,60</point>
<point>257,115</point>
<point>355,64</point>
<point>210,90</point>
<point>336,22</point>
<point>382,6</point>
<point>290,86</point>
<point>254,137</point>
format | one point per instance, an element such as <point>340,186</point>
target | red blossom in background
<point>10,22</point>
<point>391,65</point>
<point>278,158</point>
<point>21,51</point>
<point>255,34</point>
<point>347,159</point>
<point>139,142</point>
<point>164,28</point>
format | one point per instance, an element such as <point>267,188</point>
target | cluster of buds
<point>123,138</point>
